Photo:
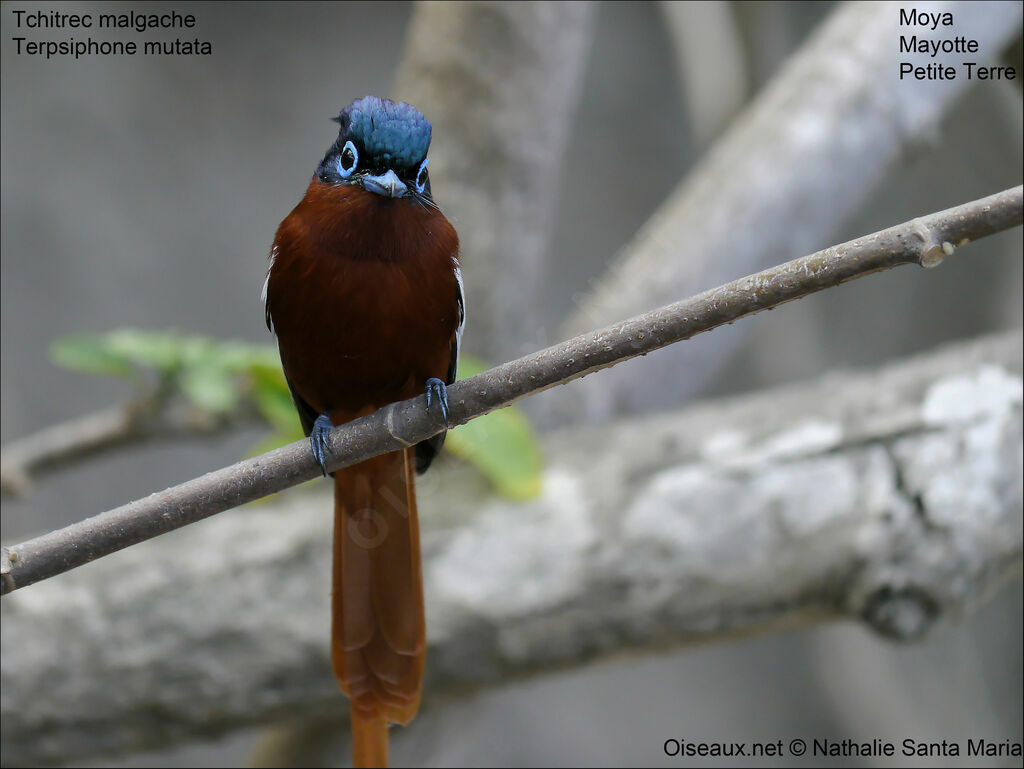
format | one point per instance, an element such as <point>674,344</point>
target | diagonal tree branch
<point>890,497</point>
<point>926,241</point>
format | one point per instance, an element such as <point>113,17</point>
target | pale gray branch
<point>795,165</point>
<point>891,497</point>
<point>148,419</point>
<point>500,82</point>
<point>703,33</point>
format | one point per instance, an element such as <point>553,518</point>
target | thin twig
<point>147,418</point>
<point>925,241</point>
<point>86,434</point>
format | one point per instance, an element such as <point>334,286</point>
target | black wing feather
<point>430,448</point>
<point>307,415</point>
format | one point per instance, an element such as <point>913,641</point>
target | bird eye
<point>348,160</point>
<point>421,176</point>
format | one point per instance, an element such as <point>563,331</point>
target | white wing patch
<point>461,293</point>
<point>264,294</point>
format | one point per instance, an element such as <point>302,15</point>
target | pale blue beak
<point>388,185</point>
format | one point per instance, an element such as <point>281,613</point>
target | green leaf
<point>90,354</point>
<point>270,393</point>
<point>209,386</point>
<point>161,350</point>
<point>213,375</point>
<point>240,357</point>
<point>502,445</point>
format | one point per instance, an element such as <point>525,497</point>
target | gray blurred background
<point>144,192</point>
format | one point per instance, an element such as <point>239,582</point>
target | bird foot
<point>437,389</point>
<point>318,440</point>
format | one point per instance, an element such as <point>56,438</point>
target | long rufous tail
<point>378,633</point>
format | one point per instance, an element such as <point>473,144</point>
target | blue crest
<point>392,134</point>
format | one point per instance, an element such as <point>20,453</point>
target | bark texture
<point>890,496</point>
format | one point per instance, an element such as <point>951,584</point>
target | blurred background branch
<point>502,93</point>
<point>799,161</point>
<point>117,427</point>
<point>902,513</point>
<point>701,33</point>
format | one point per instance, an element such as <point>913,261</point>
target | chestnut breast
<point>362,295</point>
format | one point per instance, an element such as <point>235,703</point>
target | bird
<point>364,294</point>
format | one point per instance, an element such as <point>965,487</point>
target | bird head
<point>381,147</point>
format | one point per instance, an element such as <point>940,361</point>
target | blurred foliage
<point>502,444</point>
<point>217,377</point>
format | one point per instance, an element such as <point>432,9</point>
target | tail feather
<point>378,633</point>
<point>369,738</point>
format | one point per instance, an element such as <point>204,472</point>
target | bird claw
<point>437,389</point>
<point>318,440</point>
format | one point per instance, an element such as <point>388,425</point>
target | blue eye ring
<point>421,176</point>
<point>348,160</point>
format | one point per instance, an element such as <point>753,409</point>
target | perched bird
<point>365,295</point>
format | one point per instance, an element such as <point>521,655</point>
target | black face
<point>381,147</point>
<point>349,165</point>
